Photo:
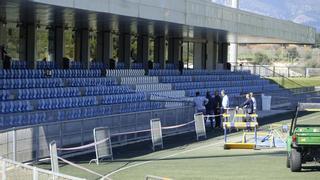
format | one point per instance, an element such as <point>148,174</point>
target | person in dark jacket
<point>216,108</point>
<point>248,106</point>
<point>210,107</point>
<point>180,66</point>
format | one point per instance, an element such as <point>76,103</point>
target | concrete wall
<point>200,13</point>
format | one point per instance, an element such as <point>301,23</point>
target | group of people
<point>219,104</point>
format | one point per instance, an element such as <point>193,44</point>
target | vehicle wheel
<point>295,160</point>
<point>288,160</point>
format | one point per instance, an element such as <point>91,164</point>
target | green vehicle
<point>303,143</point>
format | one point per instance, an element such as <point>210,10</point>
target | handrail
<point>274,72</point>
<point>282,76</point>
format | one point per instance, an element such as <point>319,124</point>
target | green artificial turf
<point>289,83</point>
<point>186,159</point>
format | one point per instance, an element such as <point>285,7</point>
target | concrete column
<point>225,52</point>
<point>143,50</point>
<point>82,47</point>
<point>174,51</point>
<point>104,47</point>
<point>159,51</point>
<point>56,46</point>
<point>198,57</point>
<point>233,46</point>
<point>28,45</point>
<point>124,49</point>
<point>210,56</point>
<point>3,40</point>
<point>233,54</point>
<point>215,54</point>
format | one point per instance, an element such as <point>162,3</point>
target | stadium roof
<point>194,19</point>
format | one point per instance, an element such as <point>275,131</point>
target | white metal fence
<point>32,143</point>
<point>277,71</point>
<point>15,170</point>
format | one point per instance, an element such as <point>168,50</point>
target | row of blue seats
<point>81,82</point>
<point>66,73</point>
<point>97,65</point>
<point>4,95</point>
<point>173,79</point>
<point>203,92</point>
<point>71,102</point>
<point>15,106</point>
<point>120,65</point>
<point>205,72</point>
<point>81,113</point>
<point>228,77</point>
<point>200,85</point>
<point>21,73</point>
<point>271,87</point>
<point>170,66</point>
<point>124,98</point>
<point>30,83</point>
<point>103,90</point>
<point>38,117</point>
<point>24,119</point>
<point>254,89</point>
<point>141,106</point>
<point>163,72</point>
<point>136,66</point>
<point>47,93</point>
<point>45,65</point>
<point>18,64</point>
<point>75,65</point>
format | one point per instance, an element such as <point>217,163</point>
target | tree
<point>293,53</point>
<point>261,58</point>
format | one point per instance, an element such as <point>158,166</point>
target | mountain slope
<point>305,12</point>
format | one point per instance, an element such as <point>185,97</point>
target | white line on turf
<point>175,154</point>
<point>172,155</point>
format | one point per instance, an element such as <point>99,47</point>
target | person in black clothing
<point>209,108</point>
<point>216,108</point>
<point>112,64</point>
<point>5,58</point>
<point>248,106</point>
<point>181,66</point>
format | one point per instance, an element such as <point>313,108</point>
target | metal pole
<point>3,170</point>
<point>35,174</point>
<point>225,133</point>
<point>14,145</point>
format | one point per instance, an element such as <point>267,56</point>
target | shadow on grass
<point>275,153</point>
<point>310,168</point>
<point>173,143</point>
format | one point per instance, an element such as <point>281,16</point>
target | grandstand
<point>62,100</point>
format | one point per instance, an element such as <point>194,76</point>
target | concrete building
<point>175,27</point>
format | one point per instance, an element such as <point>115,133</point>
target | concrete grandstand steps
<point>124,72</point>
<point>152,87</point>
<point>139,80</point>
<point>173,98</point>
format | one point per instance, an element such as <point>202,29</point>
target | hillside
<point>305,12</point>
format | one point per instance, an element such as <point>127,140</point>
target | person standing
<point>200,103</point>
<point>210,108</point>
<point>225,102</point>
<point>216,108</point>
<point>254,102</point>
<point>248,105</point>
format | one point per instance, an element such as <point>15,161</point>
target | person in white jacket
<point>254,102</point>
<point>225,102</point>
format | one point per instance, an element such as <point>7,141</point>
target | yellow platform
<point>239,146</point>
<point>240,125</point>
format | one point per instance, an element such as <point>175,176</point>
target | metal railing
<point>32,143</point>
<point>15,170</point>
<point>265,72</point>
